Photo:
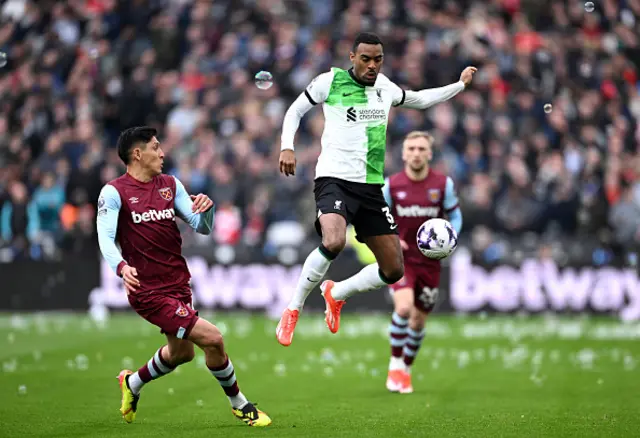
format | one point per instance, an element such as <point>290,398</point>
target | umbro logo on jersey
<point>351,114</point>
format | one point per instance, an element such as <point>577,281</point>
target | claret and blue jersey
<point>414,202</point>
<point>141,217</point>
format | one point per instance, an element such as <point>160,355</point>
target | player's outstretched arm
<point>197,211</point>
<point>109,204</point>
<point>451,206</point>
<point>426,98</point>
<point>315,93</point>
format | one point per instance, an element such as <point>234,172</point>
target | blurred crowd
<point>545,144</point>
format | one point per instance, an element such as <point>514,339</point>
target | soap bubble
<point>548,108</point>
<point>589,6</point>
<point>264,80</point>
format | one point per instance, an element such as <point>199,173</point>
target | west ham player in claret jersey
<point>415,195</point>
<point>138,210</point>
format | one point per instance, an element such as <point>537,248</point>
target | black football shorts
<point>361,204</point>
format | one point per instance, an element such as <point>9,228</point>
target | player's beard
<point>418,169</point>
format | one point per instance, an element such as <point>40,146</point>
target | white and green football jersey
<point>356,117</point>
<point>355,130</point>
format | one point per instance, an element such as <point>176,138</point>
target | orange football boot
<point>332,313</point>
<point>405,383</point>
<point>394,380</point>
<point>286,326</point>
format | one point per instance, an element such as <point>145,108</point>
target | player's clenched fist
<point>129,275</point>
<point>467,75</point>
<point>288,162</point>
<point>201,203</point>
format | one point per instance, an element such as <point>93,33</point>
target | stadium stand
<point>563,183</point>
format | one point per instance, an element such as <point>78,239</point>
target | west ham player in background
<point>415,195</point>
<point>139,210</point>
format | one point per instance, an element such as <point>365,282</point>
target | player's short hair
<point>419,134</point>
<point>132,136</point>
<point>366,38</point>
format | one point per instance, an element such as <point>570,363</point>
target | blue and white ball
<point>437,239</point>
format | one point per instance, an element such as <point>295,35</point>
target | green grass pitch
<point>474,377</point>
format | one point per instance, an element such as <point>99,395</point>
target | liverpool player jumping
<point>349,174</point>
<point>415,195</point>
<point>139,210</point>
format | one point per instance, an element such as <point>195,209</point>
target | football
<point>437,239</point>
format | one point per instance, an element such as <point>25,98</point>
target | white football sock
<point>396,363</point>
<point>313,270</point>
<point>365,280</point>
<point>238,401</point>
<point>135,383</point>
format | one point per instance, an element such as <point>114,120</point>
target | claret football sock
<point>397,338</point>
<point>412,346</point>
<point>226,376</point>
<point>154,369</point>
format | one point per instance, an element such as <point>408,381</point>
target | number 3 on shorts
<point>389,216</point>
